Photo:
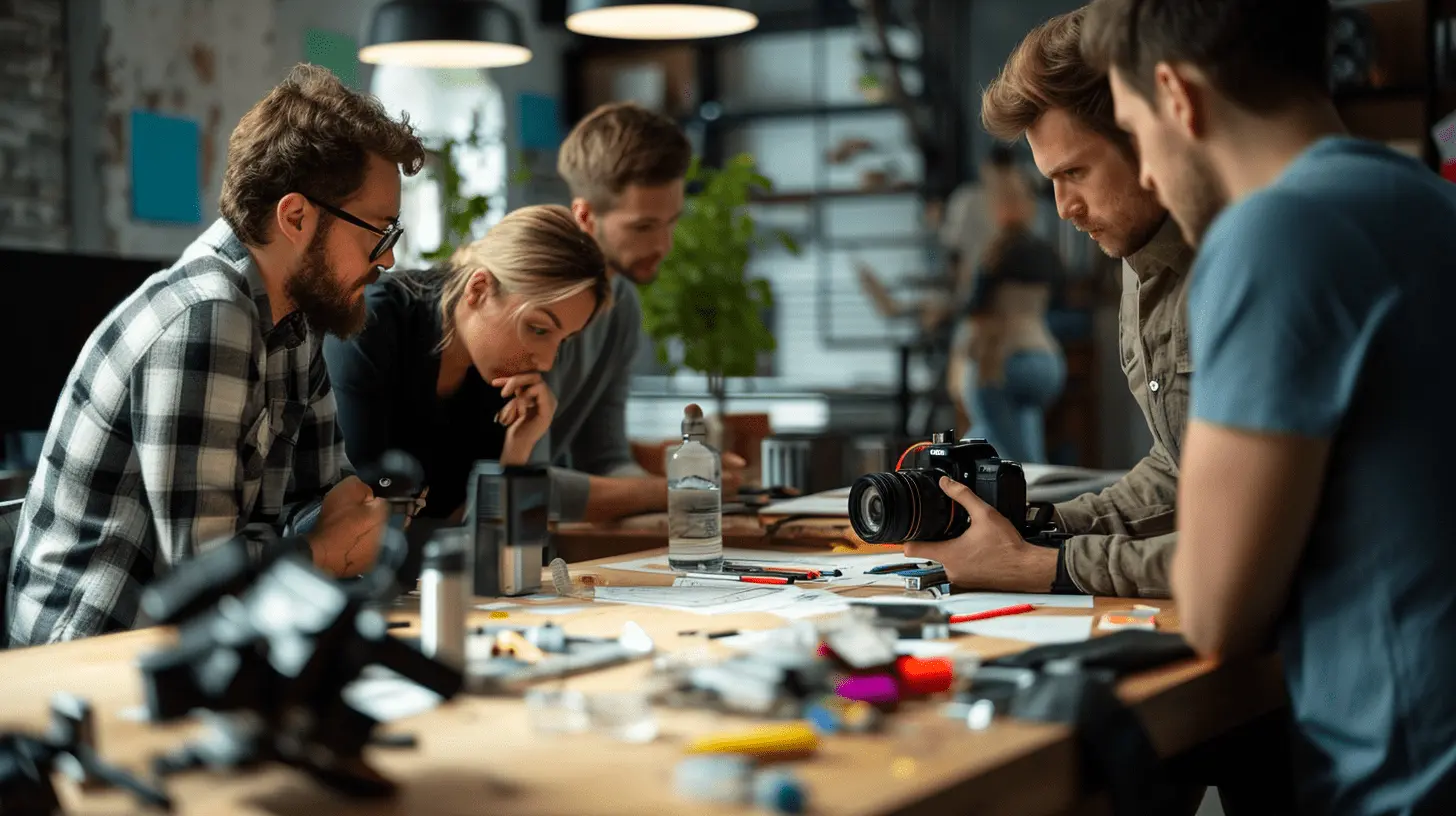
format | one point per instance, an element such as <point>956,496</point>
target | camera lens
<point>905,505</point>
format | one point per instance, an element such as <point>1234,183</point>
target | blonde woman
<point>449,365</point>
<point>1012,369</point>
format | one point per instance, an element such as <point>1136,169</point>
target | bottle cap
<point>693,423</point>
<point>779,791</point>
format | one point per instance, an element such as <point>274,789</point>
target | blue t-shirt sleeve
<point>1286,299</point>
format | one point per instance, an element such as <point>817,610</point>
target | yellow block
<point>771,741</point>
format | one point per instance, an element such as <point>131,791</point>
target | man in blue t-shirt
<point>1318,463</point>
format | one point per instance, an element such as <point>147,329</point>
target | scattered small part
<point>902,767</point>
<point>779,791</point>
<point>725,778</point>
<point>787,741</point>
<point>399,624</point>
<point>1114,621</point>
<point>513,644</point>
<point>497,614</point>
<point>548,638</point>
<point>561,580</point>
<point>925,675</point>
<point>861,718</point>
<point>879,689</point>
<point>981,714</point>
<point>823,717</point>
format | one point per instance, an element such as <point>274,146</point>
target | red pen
<point>747,579</point>
<point>991,613</point>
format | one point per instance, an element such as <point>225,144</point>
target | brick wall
<point>33,125</point>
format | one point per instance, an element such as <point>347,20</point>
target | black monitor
<point>53,302</point>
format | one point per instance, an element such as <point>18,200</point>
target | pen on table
<point>801,574</point>
<point>992,613</point>
<point>885,569</point>
<point>747,579</point>
<point>730,566</point>
<point>711,635</point>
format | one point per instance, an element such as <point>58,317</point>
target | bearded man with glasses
<point>201,408</point>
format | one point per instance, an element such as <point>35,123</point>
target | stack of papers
<point>852,565</point>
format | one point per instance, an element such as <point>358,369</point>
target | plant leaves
<point>703,301</point>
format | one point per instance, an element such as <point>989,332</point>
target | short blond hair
<point>619,145</point>
<point>536,252</point>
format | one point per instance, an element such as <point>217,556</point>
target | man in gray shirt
<point>625,166</point>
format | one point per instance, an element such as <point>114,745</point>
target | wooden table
<point>480,755</point>
<point>585,542</point>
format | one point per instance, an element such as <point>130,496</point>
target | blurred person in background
<point>1011,367</point>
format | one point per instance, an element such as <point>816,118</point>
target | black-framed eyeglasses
<point>388,237</point>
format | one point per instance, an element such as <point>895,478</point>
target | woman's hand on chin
<point>526,415</point>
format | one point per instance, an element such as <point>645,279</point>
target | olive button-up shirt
<point>1124,536</point>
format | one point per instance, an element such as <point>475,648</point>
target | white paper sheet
<point>963,603</point>
<point>926,648</point>
<point>828,503</point>
<point>1031,628</point>
<point>852,565</point>
<point>704,600</point>
<point>811,603</point>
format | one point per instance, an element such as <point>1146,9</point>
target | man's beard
<point>1143,217</point>
<point>317,294</point>
<point>1199,198</point>
<point>620,267</point>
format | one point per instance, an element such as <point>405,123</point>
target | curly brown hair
<point>309,135</point>
<point>1047,71</point>
<point>618,145</point>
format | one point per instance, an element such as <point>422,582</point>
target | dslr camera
<point>907,504</point>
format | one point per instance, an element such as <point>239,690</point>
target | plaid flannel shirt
<point>189,418</point>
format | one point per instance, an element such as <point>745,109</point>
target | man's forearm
<point>581,496</point>
<point>613,497</point>
<point>1120,565</point>
<point>1142,503</point>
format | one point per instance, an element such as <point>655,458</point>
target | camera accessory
<point>506,514</point>
<point>907,504</point>
<point>27,762</point>
<point>443,598</point>
<point>271,661</point>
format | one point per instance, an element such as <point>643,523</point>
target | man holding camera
<point>1123,538</point>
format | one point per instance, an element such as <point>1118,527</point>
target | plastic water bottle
<point>694,499</point>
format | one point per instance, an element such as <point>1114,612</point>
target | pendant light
<point>647,20</point>
<point>445,34</point>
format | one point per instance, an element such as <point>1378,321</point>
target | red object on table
<point>925,675</point>
<point>992,613</point>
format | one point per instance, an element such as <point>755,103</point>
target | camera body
<point>975,464</point>
<point>507,511</point>
<point>907,504</point>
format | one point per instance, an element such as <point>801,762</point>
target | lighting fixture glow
<point>661,21</point>
<point>446,54</point>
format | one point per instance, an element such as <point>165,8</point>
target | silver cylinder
<point>444,599</point>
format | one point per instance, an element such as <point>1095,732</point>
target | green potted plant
<point>871,88</point>
<point>461,212</point>
<point>703,298</point>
